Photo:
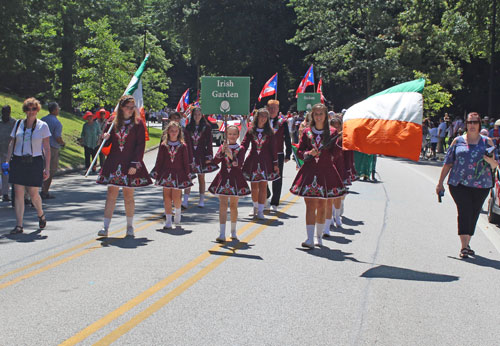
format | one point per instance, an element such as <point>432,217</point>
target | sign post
<point>305,101</point>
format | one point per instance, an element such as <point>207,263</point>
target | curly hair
<point>119,118</point>
<point>31,102</point>
<point>267,126</point>
<point>180,137</point>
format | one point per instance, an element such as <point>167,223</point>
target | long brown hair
<point>326,124</point>
<point>119,118</point>
<point>267,127</point>
<point>180,137</point>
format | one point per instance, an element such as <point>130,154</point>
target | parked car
<point>494,201</point>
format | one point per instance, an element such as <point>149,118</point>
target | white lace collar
<point>176,143</point>
<point>126,122</point>
<point>259,130</point>
<point>315,131</point>
<point>234,146</point>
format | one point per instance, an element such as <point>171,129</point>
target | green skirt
<point>364,164</point>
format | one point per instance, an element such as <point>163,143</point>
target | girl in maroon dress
<point>124,166</point>
<point>261,165</point>
<point>317,180</point>
<point>172,171</point>
<point>229,183</point>
<point>199,133</point>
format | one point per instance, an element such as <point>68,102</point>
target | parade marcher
<point>56,143</point>
<point>470,165</point>
<point>365,165</point>
<point>281,139</point>
<point>6,126</point>
<point>317,180</point>
<point>200,141</point>
<point>261,165</point>
<point>102,117</point>
<point>124,166</point>
<point>89,138</point>
<point>229,184</point>
<point>441,146</point>
<point>29,145</point>
<point>172,170</point>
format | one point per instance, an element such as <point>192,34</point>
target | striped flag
<point>306,81</point>
<point>320,90</point>
<point>270,87</point>
<point>387,123</point>
<point>183,102</point>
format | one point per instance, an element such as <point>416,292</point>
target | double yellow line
<point>155,219</point>
<point>161,302</point>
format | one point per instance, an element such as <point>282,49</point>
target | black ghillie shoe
<point>42,221</point>
<point>17,230</point>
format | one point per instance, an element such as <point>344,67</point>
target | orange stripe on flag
<point>385,137</point>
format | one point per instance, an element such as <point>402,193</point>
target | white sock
<point>130,221</point>
<point>319,229</point>
<point>261,208</point>
<point>202,198</point>
<point>222,231</point>
<point>255,205</point>
<point>233,230</point>
<point>177,216</point>
<point>107,221</point>
<point>342,208</point>
<point>186,197</point>
<point>338,221</point>
<point>328,222</point>
<point>310,234</point>
<point>168,220</point>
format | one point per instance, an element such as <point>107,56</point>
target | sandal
<point>470,251</point>
<point>42,221</point>
<point>464,253</point>
<point>17,230</point>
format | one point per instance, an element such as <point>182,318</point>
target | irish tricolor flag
<point>134,88</point>
<point>387,123</point>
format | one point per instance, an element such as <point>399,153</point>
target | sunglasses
<point>474,122</point>
<point>28,109</point>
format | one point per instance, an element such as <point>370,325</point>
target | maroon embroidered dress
<point>127,150</point>
<point>172,166</point>
<point>200,141</point>
<point>339,163</point>
<point>349,165</point>
<point>318,177</point>
<point>230,181</point>
<point>259,165</point>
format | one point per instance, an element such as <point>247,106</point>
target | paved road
<point>390,276</point>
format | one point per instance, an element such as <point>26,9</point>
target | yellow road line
<point>64,252</point>
<point>160,303</point>
<point>94,327</point>
<point>155,217</point>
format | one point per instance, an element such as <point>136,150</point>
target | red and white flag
<point>270,88</point>
<point>320,90</point>
<point>183,104</point>
<point>306,81</point>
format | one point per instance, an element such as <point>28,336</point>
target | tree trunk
<point>67,59</point>
<point>492,59</point>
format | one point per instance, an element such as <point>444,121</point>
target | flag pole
<point>276,91</point>
<point>99,151</point>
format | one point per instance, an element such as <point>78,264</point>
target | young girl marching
<point>334,207</point>
<point>229,183</point>
<point>124,166</point>
<point>172,171</point>
<point>261,165</point>
<point>317,180</point>
<point>199,134</point>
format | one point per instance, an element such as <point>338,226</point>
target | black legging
<point>89,152</point>
<point>469,201</point>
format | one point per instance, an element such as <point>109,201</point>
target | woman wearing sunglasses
<point>470,161</point>
<point>27,149</point>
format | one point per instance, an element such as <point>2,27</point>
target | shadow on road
<point>350,222</point>
<point>175,231</point>
<point>330,254</point>
<point>24,237</point>
<point>480,261</point>
<point>124,243</point>
<point>396,273</point>
<point>337,239</point>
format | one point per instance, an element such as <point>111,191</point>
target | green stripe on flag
<point>134,83</point>
<point>411,86</point>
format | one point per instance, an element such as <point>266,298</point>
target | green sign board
<point>225,95</point>
<point>305,101</point>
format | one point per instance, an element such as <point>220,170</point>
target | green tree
<point>104,70</point>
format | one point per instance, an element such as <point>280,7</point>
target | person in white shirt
<point>433,131</point>
<point>29,146</point>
